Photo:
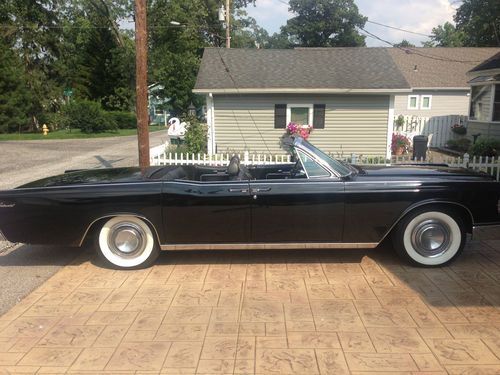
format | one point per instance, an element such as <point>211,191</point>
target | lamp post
<point>191,110</point>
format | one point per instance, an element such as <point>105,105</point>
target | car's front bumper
<point>486,232</point>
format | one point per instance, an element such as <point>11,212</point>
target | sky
<point>414,15</point>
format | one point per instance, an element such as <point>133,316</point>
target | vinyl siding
<point>353,123</point>
<point>444,103</point>
<point>486,129</point>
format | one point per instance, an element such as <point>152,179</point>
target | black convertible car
<point>317,202</point>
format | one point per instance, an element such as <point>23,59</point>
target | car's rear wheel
<point>127,242</point>
<point>429,237</point>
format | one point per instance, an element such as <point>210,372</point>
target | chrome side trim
<point>420,204</point>
<point>486,232</point>
<point>272,246</point>
<point>115,215</point>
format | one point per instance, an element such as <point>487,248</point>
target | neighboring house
<point>157,104</point>
<point>438,77</point>
<point>345,93</point>
<point>349,95</point>
<point>484,117</point>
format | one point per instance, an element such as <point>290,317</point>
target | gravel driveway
<point>25,267</point>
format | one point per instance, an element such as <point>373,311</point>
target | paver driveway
<point>315,312</point>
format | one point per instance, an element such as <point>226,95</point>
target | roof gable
<point>492,63</point>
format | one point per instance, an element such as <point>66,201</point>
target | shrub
<point>196,136</point>
<point>486,147</point>
<point>87,116</point>
<point>461,145</point>
<point>123,120</point>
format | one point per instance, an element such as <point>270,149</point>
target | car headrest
<point>234,166</point>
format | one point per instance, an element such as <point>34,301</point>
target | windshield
<point>336,165</point>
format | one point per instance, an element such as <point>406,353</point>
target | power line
<point>415,51</point>
<point>397,28</point>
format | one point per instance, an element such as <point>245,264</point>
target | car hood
<point>420,171</point>
<point>90,176</point>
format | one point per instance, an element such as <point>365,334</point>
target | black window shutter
<point>280,116</point>
<point>319,116</point>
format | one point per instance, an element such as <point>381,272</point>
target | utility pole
<point>228,29</point>
<point>141,81</point>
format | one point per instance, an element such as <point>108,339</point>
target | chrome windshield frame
<point>298,143</point>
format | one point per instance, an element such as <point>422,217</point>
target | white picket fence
<point>438,126</point>
<point>159,156</point>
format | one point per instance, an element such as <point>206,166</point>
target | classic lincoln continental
<point>315,202</point>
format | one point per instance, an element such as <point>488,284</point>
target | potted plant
<point>459,129</point>
<point>400,144</point>
<point>301,130</point>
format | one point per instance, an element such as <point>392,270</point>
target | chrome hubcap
<point>431,238</point>
<point>126,240</point>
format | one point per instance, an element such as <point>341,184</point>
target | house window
<point>300,114</point>
<point>480,107</point>
<point>425,102</point>
<point>303,114</point>
<point>412,101</point>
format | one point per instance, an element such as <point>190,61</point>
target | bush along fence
<point>158,156</point>
<point>439,126</point>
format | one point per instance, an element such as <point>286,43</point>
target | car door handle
<point>260,190</point>
<point>231,190</point>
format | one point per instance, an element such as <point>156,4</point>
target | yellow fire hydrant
<point>45,129</point>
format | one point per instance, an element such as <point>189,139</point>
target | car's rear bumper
<point>486,232</point>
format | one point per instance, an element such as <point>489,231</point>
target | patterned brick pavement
<point>315,312</point>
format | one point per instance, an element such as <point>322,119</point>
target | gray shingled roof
<point>301,68</point>
<point>338,68</point>
<point>491,63</point>
<point>439,67</point>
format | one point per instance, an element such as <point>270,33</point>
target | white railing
<point>164,158</point>
<point>158,155</point>
<point>438,126</point>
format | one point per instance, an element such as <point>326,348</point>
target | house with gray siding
<point>438,78</point>
<point>346,94</point>
<point>484,117</point>
<point>349,95</point>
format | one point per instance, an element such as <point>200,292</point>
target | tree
<point>31,30</point>
<point>446,36</point>
<point>15,99</point>
<point>479,20</point>
<point>404,44</point>
<point>246,33</point>
<point>97,59</point>
<point>325,23</point>
<point>176,50</point>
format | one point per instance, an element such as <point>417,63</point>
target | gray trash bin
<point>419,147</point>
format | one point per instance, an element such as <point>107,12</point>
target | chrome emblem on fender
<point>6,205</point>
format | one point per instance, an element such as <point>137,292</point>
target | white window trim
<point>409,101</point>
<point>289,112</point>
<point>422,101</point>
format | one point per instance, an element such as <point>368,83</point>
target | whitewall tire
<point>127,242</point>
<point>430,237</point>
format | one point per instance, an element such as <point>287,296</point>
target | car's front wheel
<point>127,242</point>
<point>429,237</point>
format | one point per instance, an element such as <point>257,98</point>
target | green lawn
<point>74,134</point>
